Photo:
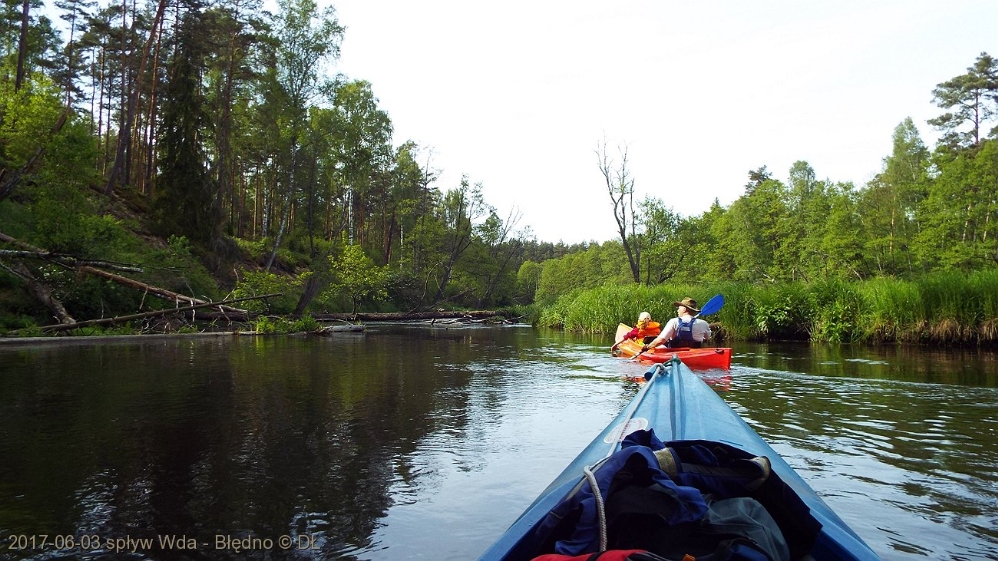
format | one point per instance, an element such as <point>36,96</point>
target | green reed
<point>940,308</point>
<point>601,309</point>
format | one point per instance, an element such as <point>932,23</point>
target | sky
<point>519,95</point>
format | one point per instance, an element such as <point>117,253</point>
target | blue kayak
<point>679,417</point>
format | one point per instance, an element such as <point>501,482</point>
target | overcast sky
<point>518,95</point>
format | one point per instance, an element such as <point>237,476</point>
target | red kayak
<point>696,359</point>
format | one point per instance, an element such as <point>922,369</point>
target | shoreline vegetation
<point>265,181</point>
<point>939,309</point>
<point>183,322</point>
<point>947,308</point>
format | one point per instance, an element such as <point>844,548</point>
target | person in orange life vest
<point>646,330</point>
<point>683,330</point>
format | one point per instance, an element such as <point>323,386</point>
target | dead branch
<point>41,292</point>
<point>404,316</point>
<point>131,283</point>
<point>68,260</point>
<point>19,243</point>
<point>143,315</point>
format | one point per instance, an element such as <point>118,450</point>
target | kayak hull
<point>678,405</point>
<point>697,359</point>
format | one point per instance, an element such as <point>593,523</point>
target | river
<point>425,443</point>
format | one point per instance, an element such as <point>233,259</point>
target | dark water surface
<point>420,443</point>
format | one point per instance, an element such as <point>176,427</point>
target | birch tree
<point>306,40</point>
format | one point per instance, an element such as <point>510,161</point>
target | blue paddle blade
<point>712,306</point>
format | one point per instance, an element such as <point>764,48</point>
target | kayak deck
<point>678,405</point>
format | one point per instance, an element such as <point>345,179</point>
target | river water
<point>426,443</point>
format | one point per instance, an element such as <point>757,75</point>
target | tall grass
<point>601,309</point>
<point>941,308</point>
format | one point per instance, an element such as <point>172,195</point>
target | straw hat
<point>689,303</point>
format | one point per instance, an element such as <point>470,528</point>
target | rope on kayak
<point>600,510</point>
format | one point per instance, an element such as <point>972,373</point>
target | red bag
<point>612,555</point>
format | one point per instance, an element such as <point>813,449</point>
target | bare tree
<point>620,187</point>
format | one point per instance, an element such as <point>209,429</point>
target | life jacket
<point>708,500</point>
<point>651,329</point>
<point>684,335</point>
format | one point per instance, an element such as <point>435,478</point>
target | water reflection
<point>923,450</point>
<point>426,443</point>
<point>965,367</point>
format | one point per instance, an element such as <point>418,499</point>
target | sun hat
<point>644,316</point>
<point>689,303</point>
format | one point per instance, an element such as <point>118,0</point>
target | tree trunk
<point>22,45</point>
<point>404,316</point>
<point>286,214</point>
<point>65,326</point>
<point>43,294</point>
<point>313,286</point>
<point>125,134</point>
<point>620,187</point>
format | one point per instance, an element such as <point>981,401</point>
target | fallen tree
<point>41,292</point>
<point>88,267</point>
<point>406,316</point>
<point>67,260</point>
<point>45,295</point>
<point>143,315</point>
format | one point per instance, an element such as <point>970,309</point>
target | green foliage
<point>836,307</point>
<point>960,214</point>
<point>596,266</point>
<point>527,279</point>
<point>889,203</point>
<point>971,99</point>
<point>268,325</point>
<point>259,283</point>
<point>520,313</point>
<point>62,230</point>
<point>86,296</point>
<point>186,201</point>
<point>783,311</point>
<point>357,277</point>
<point>101,331</point>
<point>27,329</point>
<point>403,290</point>
<point>840,250</point>
<point>55,208</point>
<point>945,307</point>
<point>26,116</point>
<point>176,268</point>
<point>16,307</point>
<point>255,250</point>
<point>249,124</point>
<point>601,309</point>
<point>684,253</point>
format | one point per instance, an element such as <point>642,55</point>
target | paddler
<point>684,330</point>
<point>646,330</point>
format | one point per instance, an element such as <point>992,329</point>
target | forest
<point>176,154</point>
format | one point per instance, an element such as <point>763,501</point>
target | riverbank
<point>939,309</point>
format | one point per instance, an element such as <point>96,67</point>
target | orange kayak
<point>696,359</point>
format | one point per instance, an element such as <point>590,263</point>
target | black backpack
<point>706,500</point>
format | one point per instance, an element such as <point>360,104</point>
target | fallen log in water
<point>143,315</point>
<point>407,316</point>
